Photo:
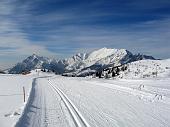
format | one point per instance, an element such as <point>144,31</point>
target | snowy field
<point>83,102</point>
<point>147,69</point>
<point>11,97</point>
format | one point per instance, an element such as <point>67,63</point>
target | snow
<point>73,101</point>
<point>105,56</point>
<point>109,104</point>
<point>11,97</point>
<point>147,69</point>
<point>80,61</point>
<point>101,53</point>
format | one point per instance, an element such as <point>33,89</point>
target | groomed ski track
<point>40,113</point>
<point>74,102</point>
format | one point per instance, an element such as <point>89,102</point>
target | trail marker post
<point>24,93</point>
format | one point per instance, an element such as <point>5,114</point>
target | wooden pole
<point>24,92</point>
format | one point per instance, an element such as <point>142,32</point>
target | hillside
<point>137,69</point>
<point>147,68</point>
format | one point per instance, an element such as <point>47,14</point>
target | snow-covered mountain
<point>104,57</point>
<point>30,63</point>
<point>101,58</point>
<point>80,62</point>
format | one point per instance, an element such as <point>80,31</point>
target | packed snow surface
<point>84,102</point>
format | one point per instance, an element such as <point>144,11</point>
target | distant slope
<point>138,69</point>
<point>79,62</point>
<point>147,68</point>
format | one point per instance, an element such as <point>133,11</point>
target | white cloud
<point>14,43</point>
<point>12,37</point>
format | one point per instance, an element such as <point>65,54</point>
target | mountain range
<point>80,63</point>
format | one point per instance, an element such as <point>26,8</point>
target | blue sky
<point>61,28</point>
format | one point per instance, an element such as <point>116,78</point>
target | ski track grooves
<point>78,119</point>
<point>145,95</point>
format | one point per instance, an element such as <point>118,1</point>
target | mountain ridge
<point>80,61</point>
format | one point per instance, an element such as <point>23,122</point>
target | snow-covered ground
<point>132,103</point>
<point>84,102</point>
<point>147,69</point>
<point>11,97</point>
